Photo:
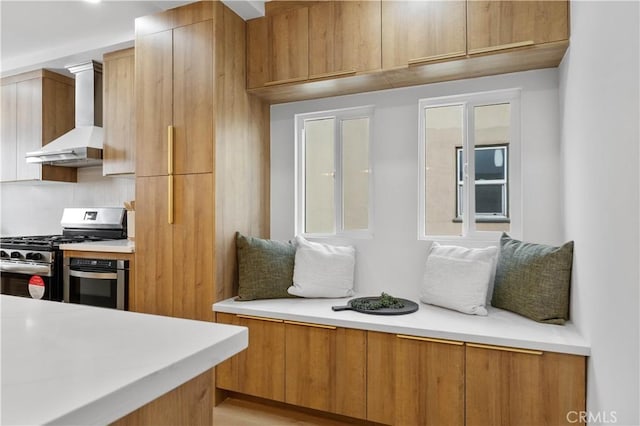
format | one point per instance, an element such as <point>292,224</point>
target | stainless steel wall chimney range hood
<point>82,146</point>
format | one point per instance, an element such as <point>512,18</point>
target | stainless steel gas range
<point>31,266</point>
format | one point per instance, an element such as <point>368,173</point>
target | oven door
<point>86,285</point>
<point>27,280</point>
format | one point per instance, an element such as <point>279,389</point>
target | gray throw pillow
<point>533,280</point>
<point>265,268</point>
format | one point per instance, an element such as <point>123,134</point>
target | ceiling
<point>55,34</point>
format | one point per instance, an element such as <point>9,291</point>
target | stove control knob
<point>34,256</point>
<point>3,254</point>
<point>15,255</point>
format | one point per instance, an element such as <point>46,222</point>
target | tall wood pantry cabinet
<point>202,165</point>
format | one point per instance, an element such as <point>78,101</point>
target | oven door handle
<point>96,275</point>
<point>29,269</point>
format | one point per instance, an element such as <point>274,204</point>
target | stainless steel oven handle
<point>22,268</point>
<point>96,275</point>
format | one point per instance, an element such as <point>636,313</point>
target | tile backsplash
<point>31,208</point>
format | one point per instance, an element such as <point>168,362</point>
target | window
<point>333,186</point>
<point>490,182</point>
<point>486,124</point>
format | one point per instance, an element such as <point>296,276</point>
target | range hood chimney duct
<point>82,146</point>
<point>88,93</point>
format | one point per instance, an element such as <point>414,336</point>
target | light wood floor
<point>238,412</point>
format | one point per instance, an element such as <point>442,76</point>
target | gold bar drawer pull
<point>251,317</point>
<point>429,339</point>
<point>505,349</point>
<point>306,324</point>
<point>501,47</point>
<point>435,58</point>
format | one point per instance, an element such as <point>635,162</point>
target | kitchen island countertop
<point>76,364</point>
<point>111,246</point>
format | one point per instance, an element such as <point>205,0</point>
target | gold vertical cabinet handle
<point>501,47</point>
<point>170,199</point>
<point>170,149</point>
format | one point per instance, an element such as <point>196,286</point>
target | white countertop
<point>75,364</point>
<point>112,246</point>
<point>500,327</point>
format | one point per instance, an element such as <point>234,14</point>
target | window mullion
<point>468,220</point>
<point>300,206</point>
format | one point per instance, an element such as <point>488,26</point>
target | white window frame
<point>514,185</point>
<point>339,115</point>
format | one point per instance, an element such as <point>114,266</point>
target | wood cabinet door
<point>8,141</point>
<point>414,381</point>
<point>381,376</point>
<point>258,64</point>
<point>519,387</point>
<point>429,382</point>
<point>58,118</point>
<point>344,37</point>
<point>494,25</point>
<point>422,31</point>
<point>258,370</point>
<point>288,37</point>
<point>28,126</point>
<point>193,246</point>
<point>154,247</point>
<point>193,80</point>
<point>154,101</point>
<point>119,151</point>
<point>326,368</point>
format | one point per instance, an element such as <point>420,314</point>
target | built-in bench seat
<point>434,366</point>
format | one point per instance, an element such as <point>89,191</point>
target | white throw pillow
<point>458,278</point>
<point>322,270</point>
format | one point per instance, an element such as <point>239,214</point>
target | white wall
<point>599,93</point>
<point>393,260</point>
<point>29,208</point>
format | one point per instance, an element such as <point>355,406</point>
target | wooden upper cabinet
<point>298,41</point>
<point>495,25</point>
<point>259,370</point>
<point>174,79</point>
<point>37,107</point>
<point>344,37</point>
<point>422,31</point>
<point>512,386</point>
<point>119,113</point>
<point>258,66</point>
<point>288,38</point>
<point>278,45</point>
<point>193,98</point>
<point>8,137</point>
<point>154,101</point>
